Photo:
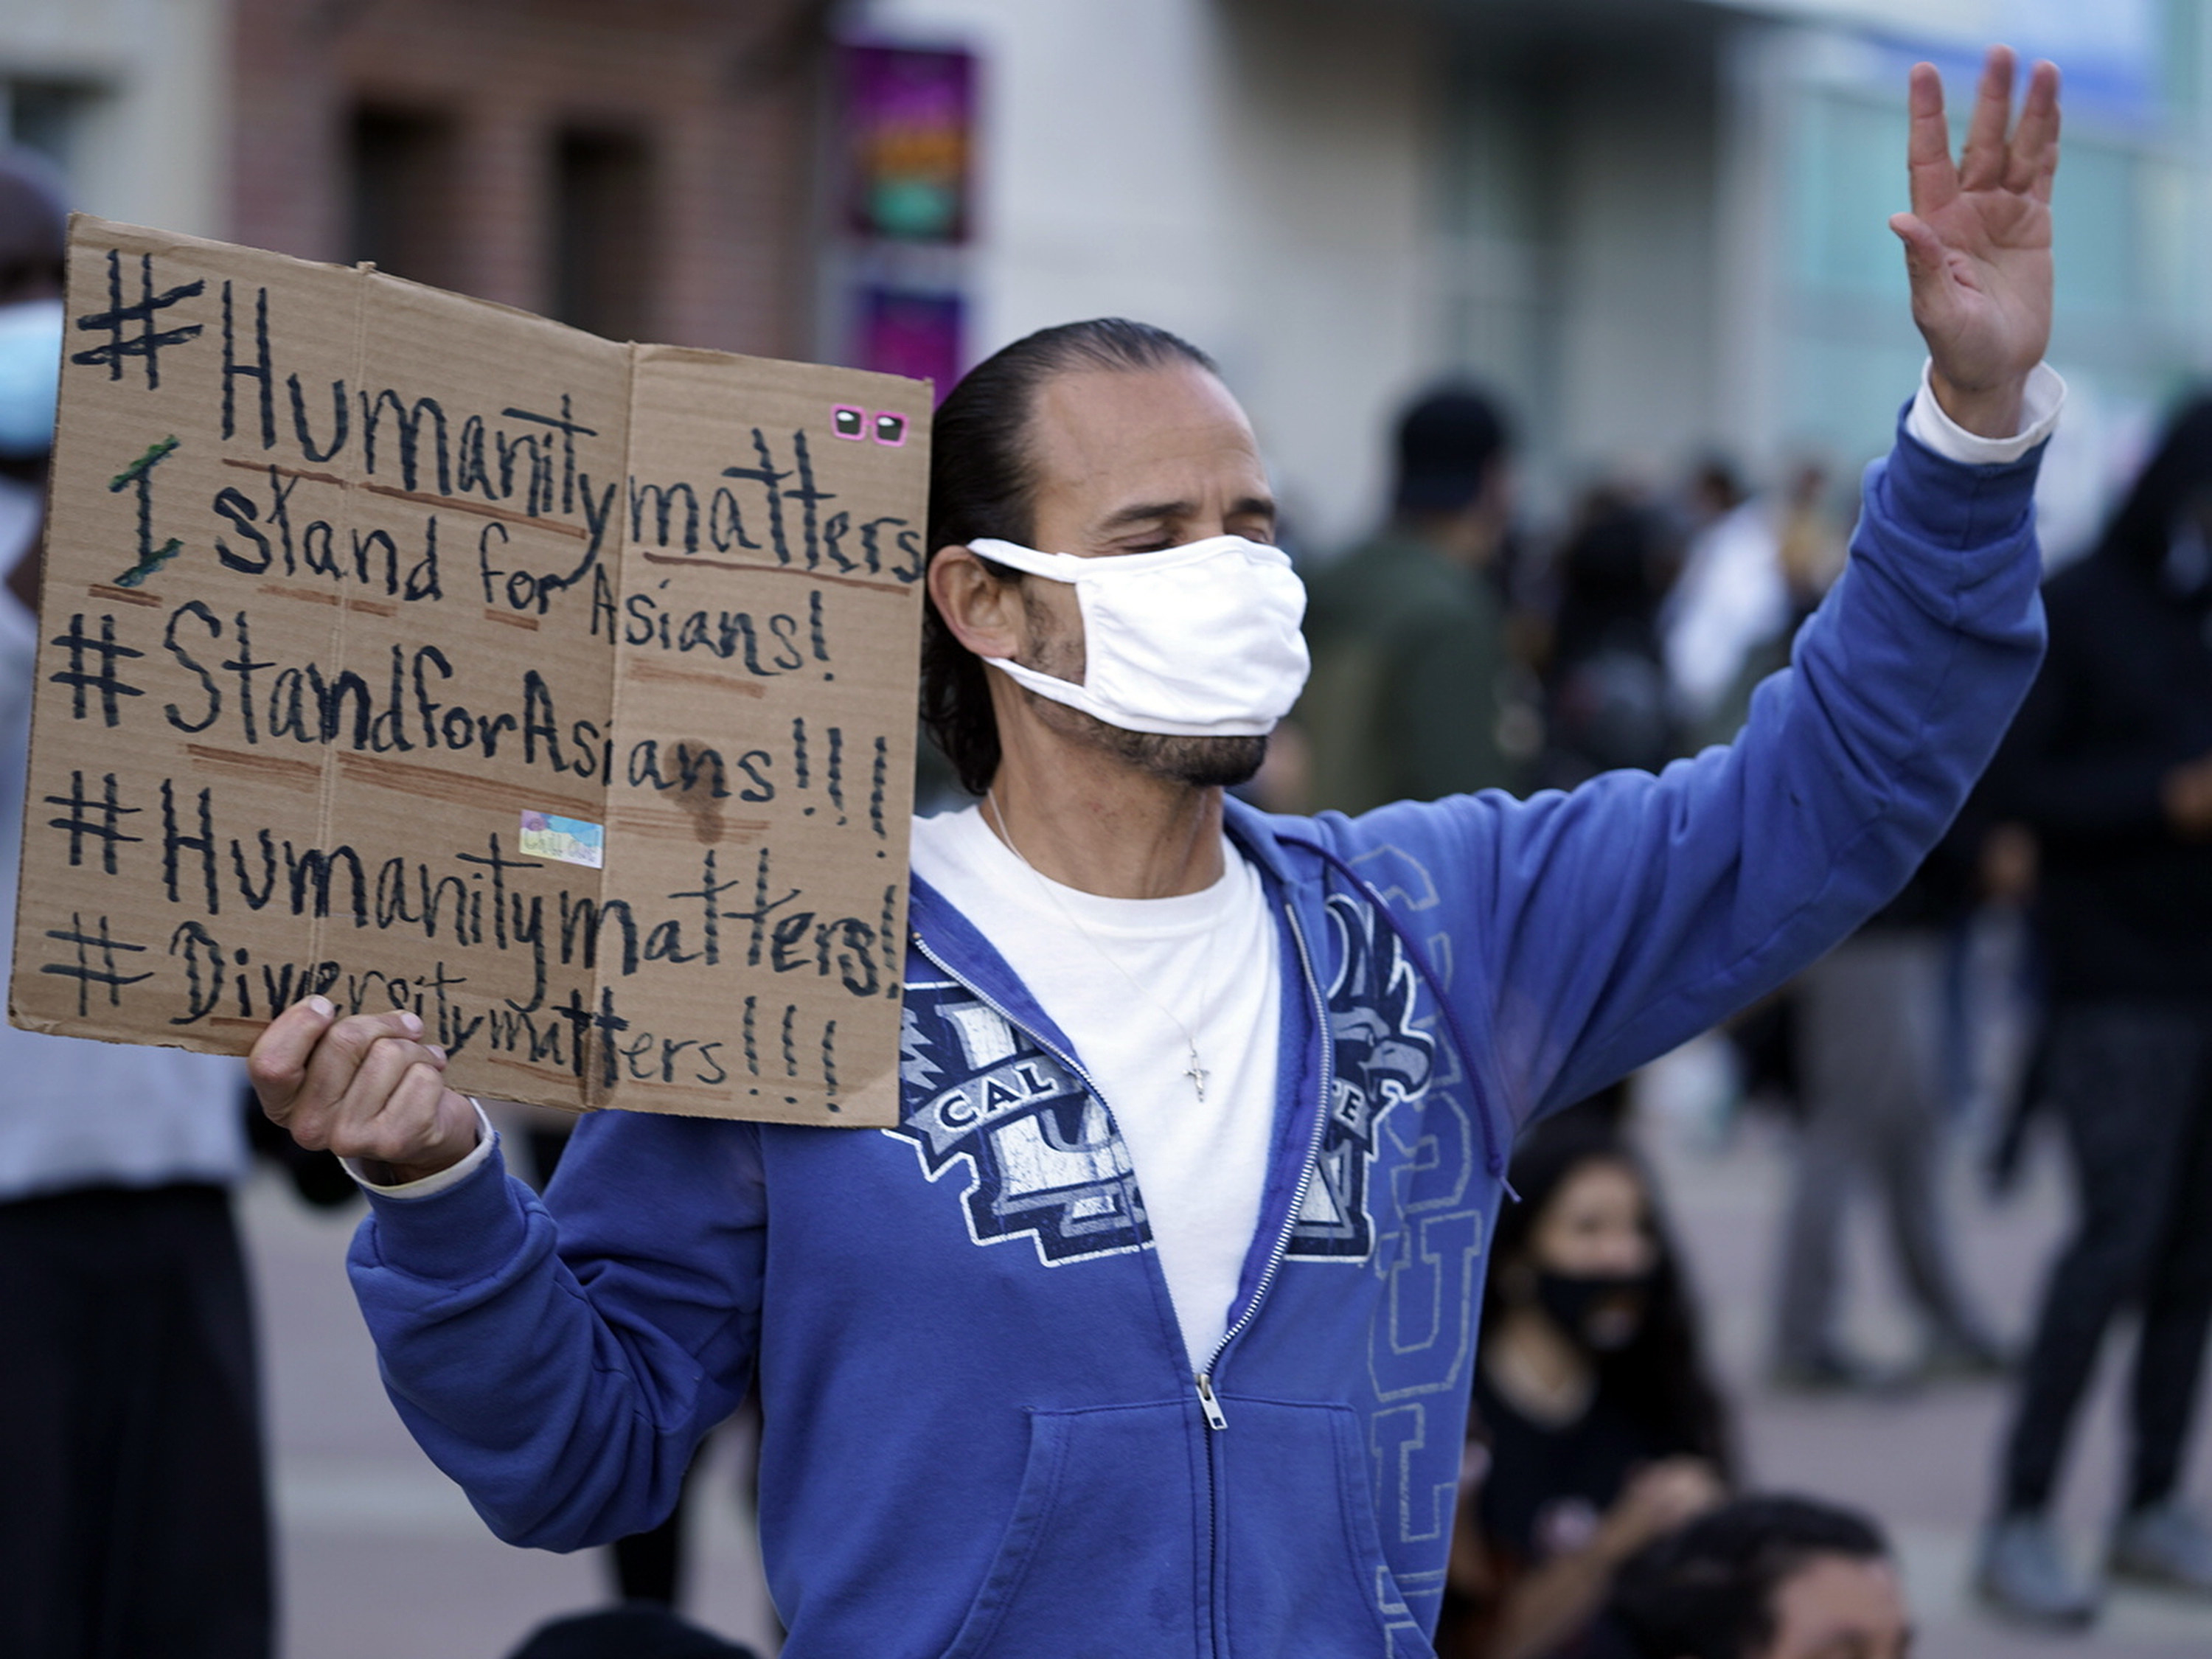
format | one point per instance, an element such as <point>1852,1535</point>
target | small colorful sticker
<point>891,429</point>
<point>847,422</point>
<point>570,840</point>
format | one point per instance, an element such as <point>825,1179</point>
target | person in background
<point>1811,550</point>
<point>637,1629</point>
<point>1871,1052</point>
<point>1604,689</point>
<point>1763,1577</point>
<point>1728,618</point>
<point>1595,1427</point>
<point>1411,695</point>
<point>2110,765</point>
<point>133,1515</point>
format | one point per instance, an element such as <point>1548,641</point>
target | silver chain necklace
<point>1195,1071</point>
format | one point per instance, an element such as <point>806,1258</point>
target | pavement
<point>382,1558</point>
<point>1921,1461</point>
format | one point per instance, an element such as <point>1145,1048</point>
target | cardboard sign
<point>419,653</point>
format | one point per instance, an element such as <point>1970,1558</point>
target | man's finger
<point>352,1079</point>
<point>1928,145</point>
<point>2034,155</point>
<point>408,1125</point>
<point>1924,254</point>
<point>278,1063</point>
<point>1982,167</point>
<point>343,1047</point>
<point>369,1093</point>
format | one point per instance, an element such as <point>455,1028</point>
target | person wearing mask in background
<point>133,1517</point>
<point>2110,765</point>
<point>1762,1577</point>
<point>1172,1259</point>
<point>1595,1429</point>
<point>1411,695</point>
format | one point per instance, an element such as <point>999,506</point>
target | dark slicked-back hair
<point>982,482</point>
<point>1707,1591</point>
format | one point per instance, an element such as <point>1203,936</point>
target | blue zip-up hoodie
<point>983,1435</point>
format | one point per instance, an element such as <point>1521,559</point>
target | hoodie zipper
<point>1213,1414</point>
<point>1216,1420</point>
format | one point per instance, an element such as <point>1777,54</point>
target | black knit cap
<point>1447,439</point>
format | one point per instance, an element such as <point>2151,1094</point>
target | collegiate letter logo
<point>1381,1059</point>
<point>1044,1161</point>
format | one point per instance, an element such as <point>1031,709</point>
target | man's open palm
<point>1977,240</point>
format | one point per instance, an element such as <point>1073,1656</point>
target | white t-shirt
<point>1209,960</point>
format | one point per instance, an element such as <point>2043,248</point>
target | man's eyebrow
<point>1158,512</point>
<point>1147,513</point>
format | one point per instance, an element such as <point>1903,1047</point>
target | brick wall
<point>722,95</point>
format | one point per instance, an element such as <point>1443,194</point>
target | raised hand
<point>365,1087</point>
<point>1977,241</point>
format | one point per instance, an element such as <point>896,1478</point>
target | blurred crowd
<point>1453,652</point>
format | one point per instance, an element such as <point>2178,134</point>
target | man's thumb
<point>1923,249</point>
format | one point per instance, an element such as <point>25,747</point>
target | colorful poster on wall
<point>910,118</point>
<point>912,335</point>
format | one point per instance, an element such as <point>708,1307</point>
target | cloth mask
<point>30,373</point>
<point>1602,1312</point>
<point>1201,640</point>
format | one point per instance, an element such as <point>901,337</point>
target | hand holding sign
<point>365,1087</point>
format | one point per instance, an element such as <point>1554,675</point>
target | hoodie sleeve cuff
<point>431,1185</point>
<point>2041,400</point>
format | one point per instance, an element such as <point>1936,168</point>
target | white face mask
<point>1194,642</point>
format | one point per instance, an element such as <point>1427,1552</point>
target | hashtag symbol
<point>98,819</point>
<point>84,972</point>
<point>118,320</point>
<point>101,678</point>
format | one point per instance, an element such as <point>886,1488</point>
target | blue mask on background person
<point>30,372</point>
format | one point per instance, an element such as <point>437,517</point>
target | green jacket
<point>1410,676</point>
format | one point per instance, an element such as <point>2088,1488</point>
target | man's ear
<point>984,613</point>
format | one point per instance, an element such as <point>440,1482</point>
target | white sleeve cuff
<point>2041,399</point>
<point>430,1185</point>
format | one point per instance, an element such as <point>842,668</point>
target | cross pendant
<point>1197,1074</point>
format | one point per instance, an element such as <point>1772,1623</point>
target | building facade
<point>643,169</point>
<point>127,99</point>
<point>1656,226</point>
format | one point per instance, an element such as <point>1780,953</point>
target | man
<point>1411,688</point>
<point>1148,1328</point>
<point>2111,767</point>
<point>132,1515</point>
<point>1770,1577</point>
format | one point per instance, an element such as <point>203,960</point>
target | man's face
<point>1840,1607</point>
<point>1134,462</point>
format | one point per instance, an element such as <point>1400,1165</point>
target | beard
<point>1201,762</point>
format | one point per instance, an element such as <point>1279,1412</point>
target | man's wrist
<point>1998,411</point>
<point>2042,397</point>
<point>424,1180</point>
